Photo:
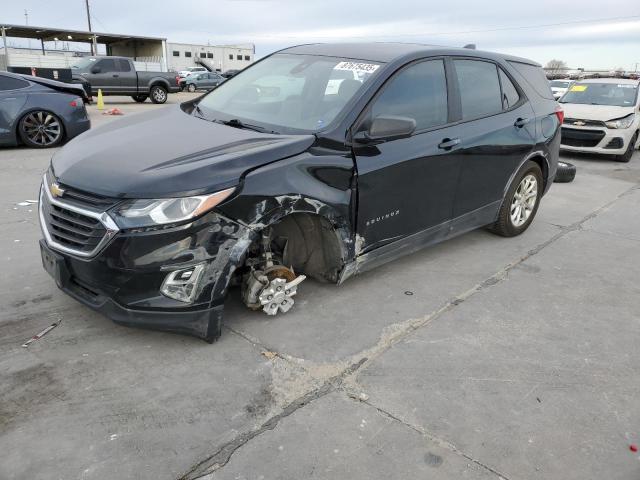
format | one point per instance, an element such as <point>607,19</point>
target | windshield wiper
<point>234,122</point>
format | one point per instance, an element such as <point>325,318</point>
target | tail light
<point>76,102</point>
<point>560,114</point>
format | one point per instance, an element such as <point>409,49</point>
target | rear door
<point>497,131</point>
<point>408,185</point>
<point>128,84</point>
<point>13,96</point>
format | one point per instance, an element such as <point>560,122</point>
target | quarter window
<point>535,77</point>
<point>510,95</point>
<point>418,92</point>
<point>479,88</point>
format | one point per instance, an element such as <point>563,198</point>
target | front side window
<point>610,94</point>
<point>107,65</point>
<point>418,92</point>
<point>287,91</point>
<point>479,88</point>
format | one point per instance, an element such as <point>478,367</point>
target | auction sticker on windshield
<point>357,67</point>
<point>578,88</point>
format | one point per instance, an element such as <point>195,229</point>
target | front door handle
<point>521,122</point>
<point>115,75</point>
<point>448,143</point>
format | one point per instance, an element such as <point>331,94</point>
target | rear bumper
<point>77,127</point>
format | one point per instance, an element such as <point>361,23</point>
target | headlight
<point>624,122</point>
<point>166,211</point>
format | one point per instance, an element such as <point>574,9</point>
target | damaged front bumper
<point>124,280</point>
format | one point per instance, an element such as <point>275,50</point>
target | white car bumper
<point>597,139</point>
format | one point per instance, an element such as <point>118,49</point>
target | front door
<point>108,78</point>
<point>408,185</point>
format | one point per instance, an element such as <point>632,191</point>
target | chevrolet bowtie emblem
<point>579,123</point>
<point>55,190</point>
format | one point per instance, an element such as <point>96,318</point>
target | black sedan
<point>38,112</point>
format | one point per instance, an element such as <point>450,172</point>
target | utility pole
<point>26,22</point>
<point>93,51</point>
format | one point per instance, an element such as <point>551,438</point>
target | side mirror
<point>96,70</point>
<point>387,127</point>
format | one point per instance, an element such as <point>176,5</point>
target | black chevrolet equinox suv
<point>319,160</point>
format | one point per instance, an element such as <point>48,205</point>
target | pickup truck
<point>118,76</point>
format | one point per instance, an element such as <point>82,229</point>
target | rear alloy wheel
<point>41,129</point>
<point>158,94</point>
<point>140,98</point>
<point>191,87</point>
<point>626,156</point>
<point>521,202</point>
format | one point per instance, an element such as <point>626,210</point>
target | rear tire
<point>41,129</point>
<point>566,173</point>
<point>521,202</point>
<point>140,98</point>
<point>158,94</point>
<point>626,156</point>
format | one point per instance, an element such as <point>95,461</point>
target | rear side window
<point>479,88</point>
<point>124,65</point>
<point>535,77</point>
<point>10,83</point>
<point>510,95</point>
<point>418,92</point>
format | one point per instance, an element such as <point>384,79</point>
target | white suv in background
<point>602,116</point>
<point>559,87</point>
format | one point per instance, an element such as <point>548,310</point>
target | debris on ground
<point>269,355</point>
<point>41,334</point>
<point>113,111</point>
<point>633,447</point>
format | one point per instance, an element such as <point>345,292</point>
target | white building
<point>217,57</point>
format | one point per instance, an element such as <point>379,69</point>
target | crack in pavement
<point>222,456</point>
<point>392,334</point>
<point>438,441</point>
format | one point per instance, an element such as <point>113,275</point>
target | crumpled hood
<point>167,153</point>
<point>603,113</point>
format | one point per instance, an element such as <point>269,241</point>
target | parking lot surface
<point>480,358</point>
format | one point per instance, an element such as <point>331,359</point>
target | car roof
<point>385,52</point>
<point>622,81</point>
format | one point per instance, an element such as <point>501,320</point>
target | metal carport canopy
<point>48,34</point>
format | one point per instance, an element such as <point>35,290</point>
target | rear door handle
<point>521,122</point>
<point>116,75</point>
<point>448,143</point>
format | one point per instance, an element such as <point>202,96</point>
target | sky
<point>586,34</point>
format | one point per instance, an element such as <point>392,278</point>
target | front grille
<point>74,230</point>
<point>84,199</point>
<point>583,122</point>
<point>574,137</point>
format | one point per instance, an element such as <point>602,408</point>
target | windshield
<point>285,91</point>
<point>610,94</point>
<point>84,63</point>
<point>560,83</point>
